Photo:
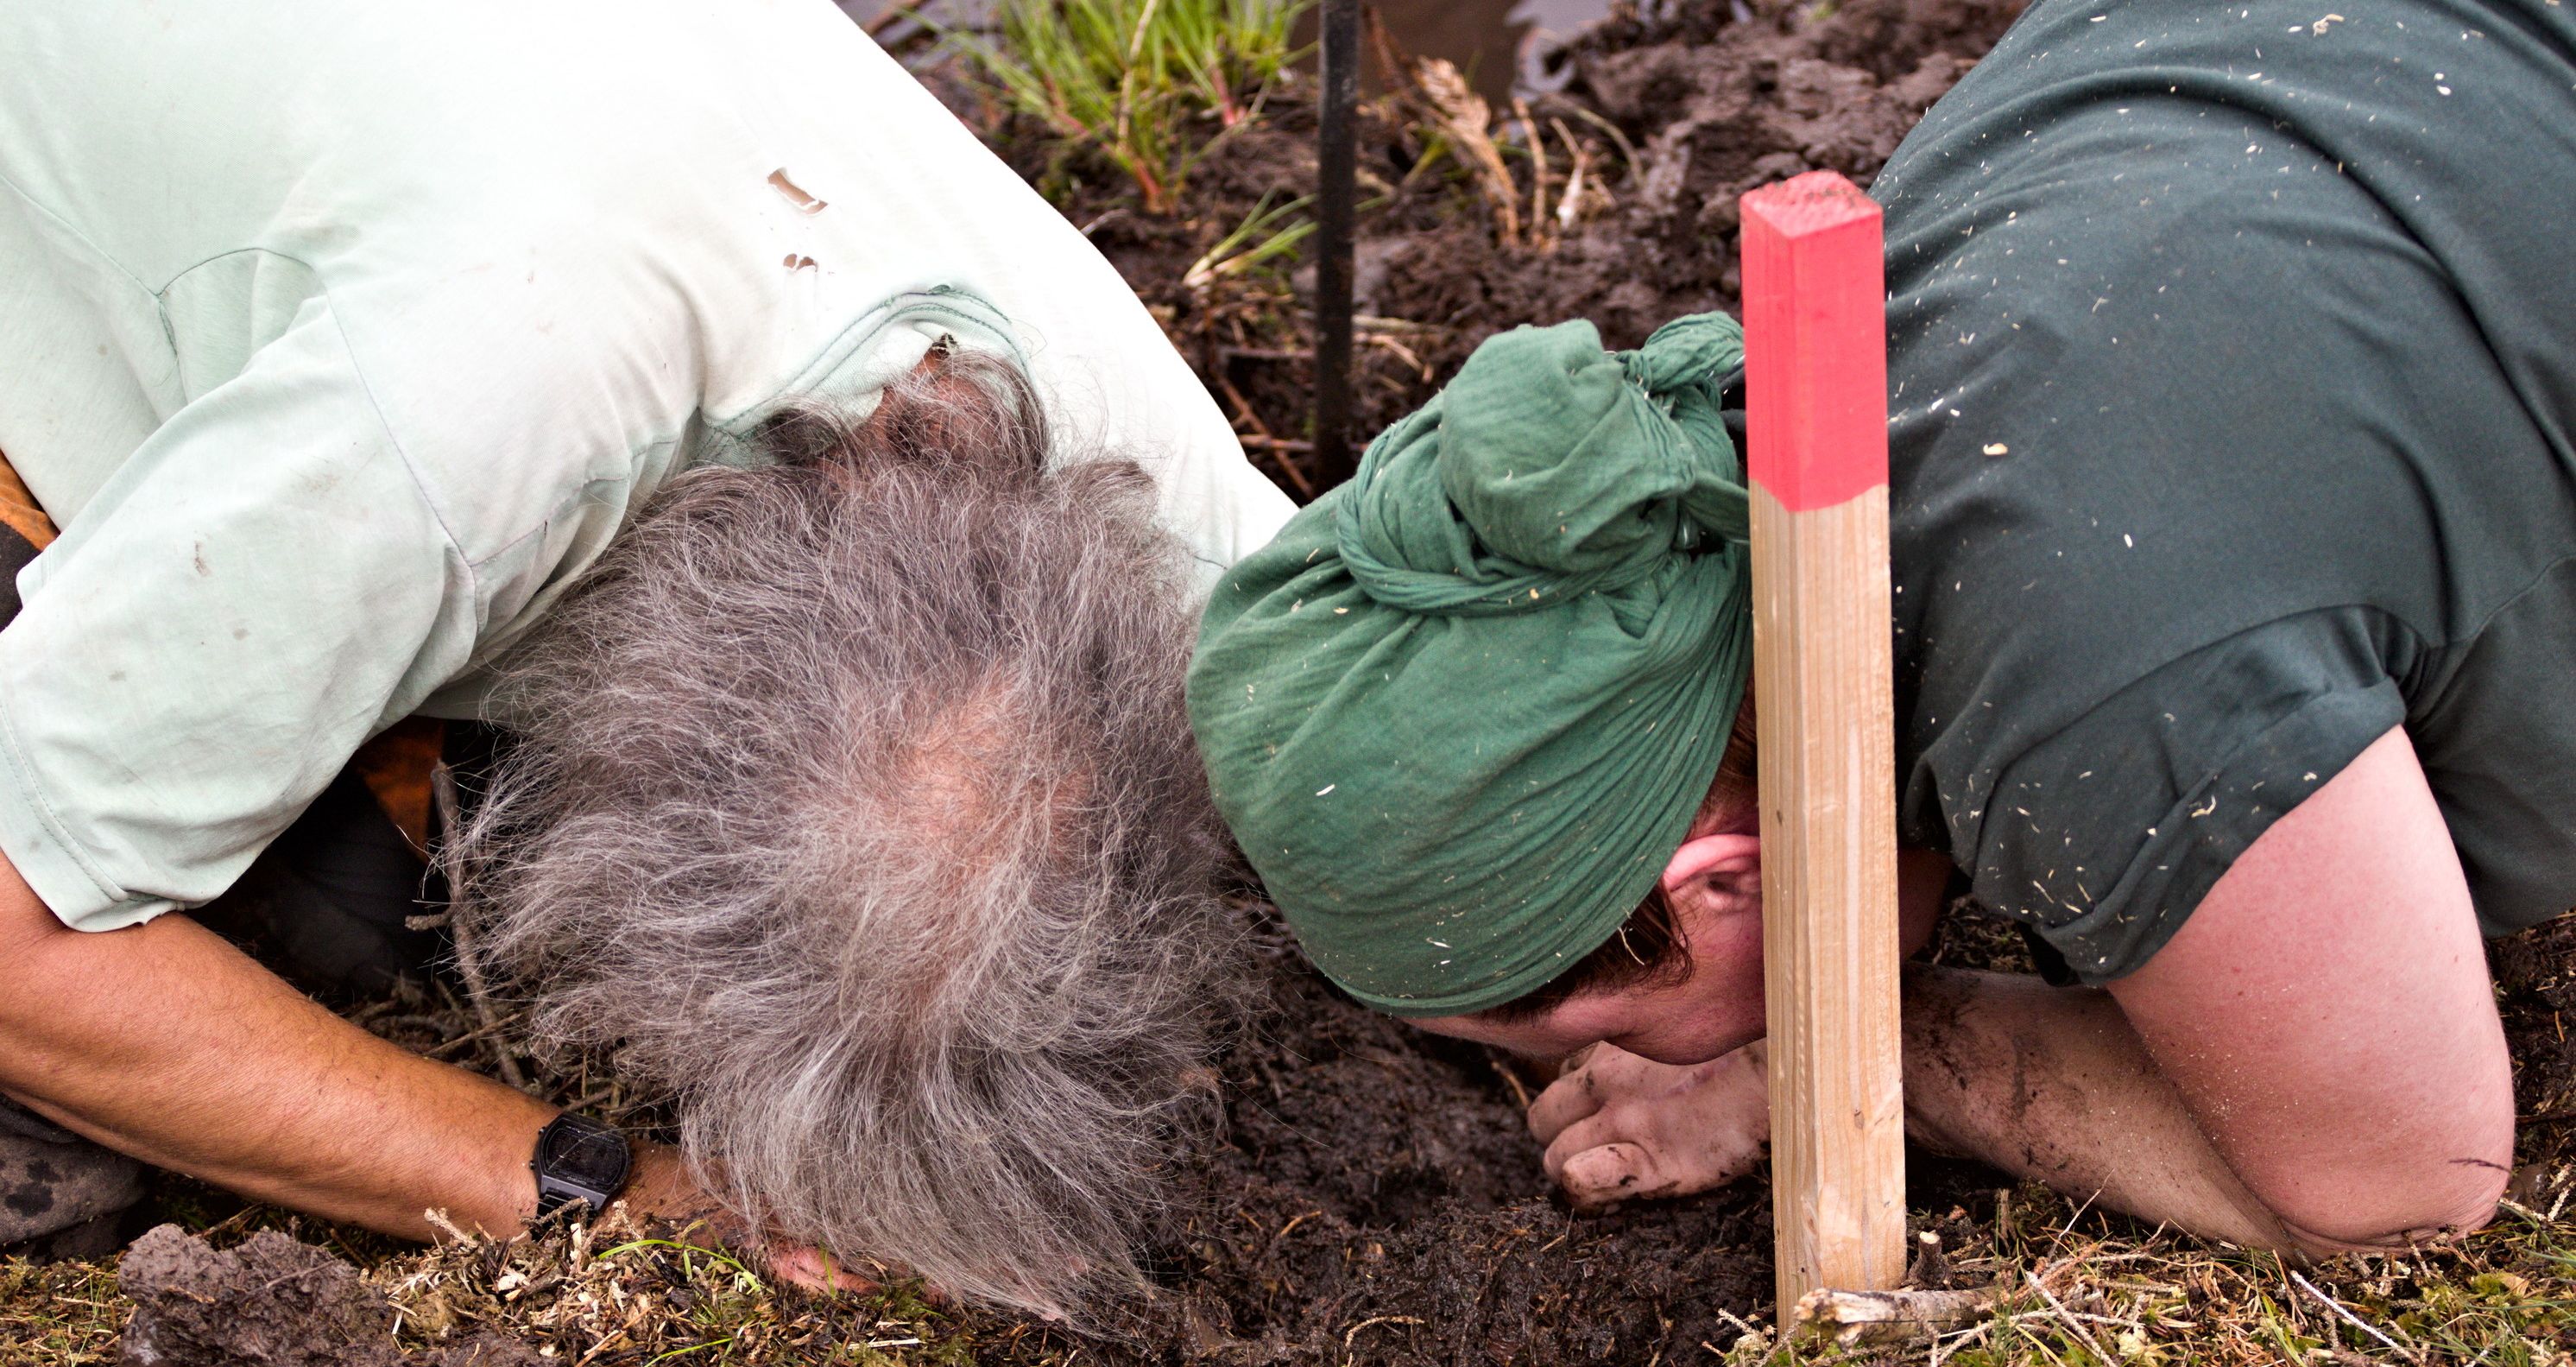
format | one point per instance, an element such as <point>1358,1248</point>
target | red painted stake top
<point>1815,341</point>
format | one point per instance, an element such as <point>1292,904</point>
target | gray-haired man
<point>340,343</point>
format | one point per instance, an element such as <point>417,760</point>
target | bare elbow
<point>2457,1199</point>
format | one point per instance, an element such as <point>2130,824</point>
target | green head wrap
<point>1462,711</point>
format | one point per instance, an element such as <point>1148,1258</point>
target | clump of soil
<point>1377,1197</point>
<point>1712,108</point>
<point>271,1300</point>
<point>2535,976</point>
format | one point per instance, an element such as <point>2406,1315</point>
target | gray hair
<point>857,810</point>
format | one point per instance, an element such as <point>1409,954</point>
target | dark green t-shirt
<point>2233,358</point>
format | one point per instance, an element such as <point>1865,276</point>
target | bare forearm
<point>166,1043</point>
<point>2052,1084</point>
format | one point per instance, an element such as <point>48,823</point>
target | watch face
<point>594,1158</point>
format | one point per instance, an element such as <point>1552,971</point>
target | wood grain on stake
<point>1816,399</point>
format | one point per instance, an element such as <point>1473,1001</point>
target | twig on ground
<point>476,1035</point>
<point>1855,1317</point>
<point>1570,205</point>
<point>1972,1334</point>
<point>2352,1319</point>
<point>599,1096</point>
<point>1381,1319</point>
<point>1930,1270</point>
<point>1260,436</point>
<point>1627,149</point>
<point>2514,1207</point>
<point>1401,350</point>
<point>2069,1227</point>
<point>2081,1333</point>
<point>1538,172</point>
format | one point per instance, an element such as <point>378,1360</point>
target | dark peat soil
<point>1671,120</point>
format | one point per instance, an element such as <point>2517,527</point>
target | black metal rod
<point>1336,156</point>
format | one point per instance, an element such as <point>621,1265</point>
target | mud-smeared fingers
<point>1591,1132</point>
<point>1566,1100</point>
<point>1604,1176</point>
<point>1616,1073</point>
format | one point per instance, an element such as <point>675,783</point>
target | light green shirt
<point>339,337</point>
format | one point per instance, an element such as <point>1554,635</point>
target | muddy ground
<point>1668,121</point>
<point>1373,1199</point>
<point>1375,1196</point>
<point>1378,1198</point>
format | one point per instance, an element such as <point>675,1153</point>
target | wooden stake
<point>1816,377</point>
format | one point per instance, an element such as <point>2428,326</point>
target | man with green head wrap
<point>1467,707</point>
<point>2233,523</point>
<point>1565,528</point>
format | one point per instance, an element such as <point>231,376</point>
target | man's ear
<point>1716,873</point>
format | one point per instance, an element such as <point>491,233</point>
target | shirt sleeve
<point>2105,836</point>
<point>260,587</point>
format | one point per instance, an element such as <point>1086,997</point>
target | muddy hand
<point>1620,1128</point>
<point>663,1189</point>
<point>813,1269</point>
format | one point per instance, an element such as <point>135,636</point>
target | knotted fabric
<point>1461,712</point>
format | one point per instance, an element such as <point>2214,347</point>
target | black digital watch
<point>579,1159</point>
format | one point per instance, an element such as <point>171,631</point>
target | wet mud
<point>1378,1197</point>
<point>2535,977</point>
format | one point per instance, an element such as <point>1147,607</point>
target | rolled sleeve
<point>2201,834</point>
<point>2105,836</point>
<point>260,587</point>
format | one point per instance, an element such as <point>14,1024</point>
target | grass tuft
<point>1142,82</point>
<point>1264,236</point>
<point>2083,1289</point>
<point>622,1293</point>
